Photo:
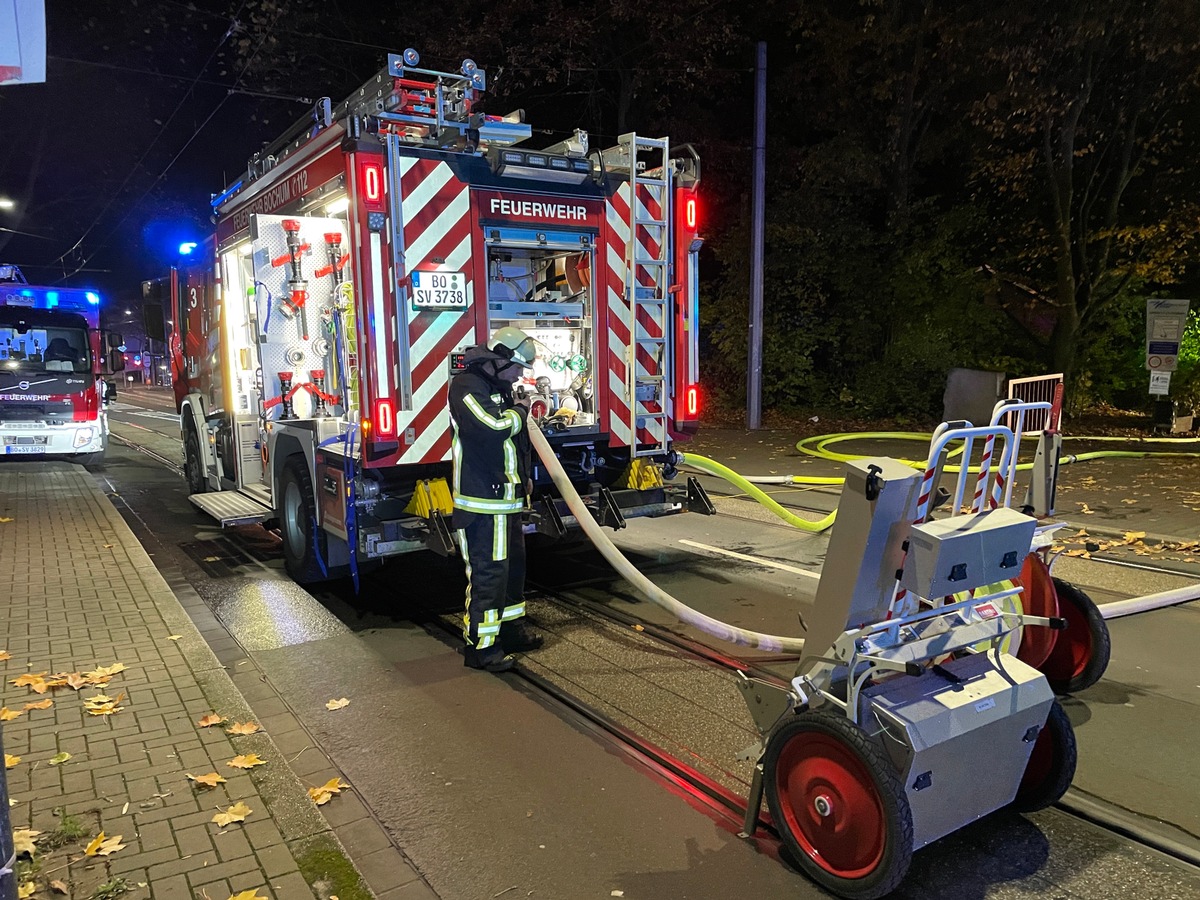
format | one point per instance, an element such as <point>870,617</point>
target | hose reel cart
<point>906,720</point>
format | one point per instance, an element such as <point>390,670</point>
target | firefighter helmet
<point>513,344</point>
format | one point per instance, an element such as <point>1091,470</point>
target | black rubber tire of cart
<point>1051,766</point>
<point>302,540</point>
<point>193,468</point>
<point>1081,652</point>
<point>838,804</point>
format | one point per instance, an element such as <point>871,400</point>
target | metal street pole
<point>754,360</point>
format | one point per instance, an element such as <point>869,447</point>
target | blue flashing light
<point>185,249</point>
<point>229,192</point>
<point>27,293</point>
<point>137,359</point>
<point>51,299</point>
<point>93,298</point>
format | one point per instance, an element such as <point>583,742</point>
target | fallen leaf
<point>107,671</point>
<point>77,681</point>
<point>337,704</point>
<point>212,779</point>
<point>1131,536</point>
<point>112,845</point>
<point>24,840</point>
<point>250,895</point>
<point>4,654</point>
<point>59,758</point>
<point>243,728</point>
<point>28,679</point>
<point>211,719</point>
<point>174,637</point>
<point>102,705</point>
<point>57,681</point>
<point>235,813</point>
<point>39,687</point>
<point>25,890</point>
<point>323,794</point>
<point>7,715</point>
<point>58,887</point>
<point>10,760</point>
<point>41,704</point>
<point>246,761</point>
<point>6,519</point>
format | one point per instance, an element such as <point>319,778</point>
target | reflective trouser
<point>493,548</point>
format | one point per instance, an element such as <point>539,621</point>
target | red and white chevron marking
<point>615,382</point>
<point>436,213</point>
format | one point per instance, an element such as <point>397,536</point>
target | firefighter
<point>491,485</point>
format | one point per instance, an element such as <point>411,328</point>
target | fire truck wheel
<point>838,804</point>
<point>1081,653</point>
<point>193,468</point>
<point>298,524</point>
<point>1051,766</point>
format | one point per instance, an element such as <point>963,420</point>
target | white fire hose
<point>652,592</point>
<point>1150,602</point>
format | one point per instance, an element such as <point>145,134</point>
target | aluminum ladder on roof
<point>647,261</point>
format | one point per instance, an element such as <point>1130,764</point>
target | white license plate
<point>23,449</point>
<point>439,290</point>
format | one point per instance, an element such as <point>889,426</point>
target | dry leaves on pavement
<point>7,715</point>
<point>41,704</point>
<point>248,895</point>
<point>210,720</point>
<point>212,779</point>
<point>246,761</point>
<point>323,794</point>
<point>59,758</point>
<point>337,704</point>
<point>235,813</point>
<point>174,637</point>
<point>4,654</point>
<point>59,887</point>
<point>103,846</point>
<point>29,679</point>
<point>24,840</point>
<point>243,728</point>
<point>10,760</point>
<point>25,890</point>
<point>106,671</point>
<point>103,705</point>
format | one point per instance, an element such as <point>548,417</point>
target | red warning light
<point>689,213</point>
<point>692,401</point>
<point>370,179</point>
<point>385,418</point>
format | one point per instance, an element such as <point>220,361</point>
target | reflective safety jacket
<point>491,446</point>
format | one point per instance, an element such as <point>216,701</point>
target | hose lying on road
<point>712,467</point>
<point>652,592</point>
<point>1150,602</point>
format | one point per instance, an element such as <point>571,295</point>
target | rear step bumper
<point>232,508</point>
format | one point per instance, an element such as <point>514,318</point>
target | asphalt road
<point>557,811</point>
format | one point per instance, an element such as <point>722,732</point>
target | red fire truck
<point>359,257</point>
<point>53,398</point>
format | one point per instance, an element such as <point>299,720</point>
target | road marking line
<point>754,559</point>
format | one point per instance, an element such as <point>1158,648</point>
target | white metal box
<point>960,747</point>
<point>966,552</point>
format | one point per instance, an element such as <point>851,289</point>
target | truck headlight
<point>84,436</point>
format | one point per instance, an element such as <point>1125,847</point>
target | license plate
<point>21,449</point>
<point>439,290</point>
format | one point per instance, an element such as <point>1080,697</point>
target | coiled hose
<point>652,592</point>
<point>712,467</point>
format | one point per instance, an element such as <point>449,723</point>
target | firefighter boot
<point>519,637</point>
<point>493,659</point>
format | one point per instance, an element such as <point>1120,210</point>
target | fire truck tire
<point>1080,655</point>
<point>838,804</point>
<point>302,540</point>
<point>1051,766</point>
<point>193,468</point>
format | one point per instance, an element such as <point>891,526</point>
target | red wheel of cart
<point>1080,654</point>
<point>1038,599</point>
<point>838,804</point>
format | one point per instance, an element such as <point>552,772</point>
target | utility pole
<point>754,359</point>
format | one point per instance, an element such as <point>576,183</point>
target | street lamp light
<point>5,203</point>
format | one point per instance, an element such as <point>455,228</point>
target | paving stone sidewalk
<point>79,593</point>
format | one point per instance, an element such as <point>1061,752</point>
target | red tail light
<point>385,418</point>
<point>690,216</point>
<point>370,181</point>
<point>692,401</point>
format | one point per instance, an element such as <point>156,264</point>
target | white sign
<point>1160,383</point>
<point>22,41</point>
<point>439,290</point>
<point>1166,319</point>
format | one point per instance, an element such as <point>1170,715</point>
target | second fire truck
<point>359,257</point>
